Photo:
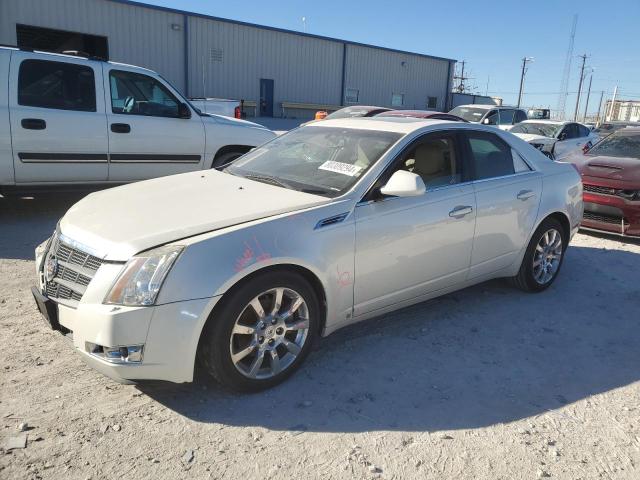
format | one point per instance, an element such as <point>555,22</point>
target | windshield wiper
<point>268,179</point>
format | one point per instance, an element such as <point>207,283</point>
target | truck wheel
<point>262,332</point>
<point>225,160</point>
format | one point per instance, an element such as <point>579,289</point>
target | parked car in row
<point>329,224</point>
<point>68,120</point>
<point>349,112</point>
<point>421,114</point>
<point>503,117</point>
<point>611,182</point>
<point>555,139</point>
<point>607,128</point>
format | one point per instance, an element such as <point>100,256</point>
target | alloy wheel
<point>547,256</point>
<point>269,333</point>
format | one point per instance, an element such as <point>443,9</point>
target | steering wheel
<point>129,103</point>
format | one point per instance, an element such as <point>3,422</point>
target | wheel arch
<point>229,149</point>
<point>304,272</point>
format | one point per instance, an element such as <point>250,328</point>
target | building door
<point>266,97</point>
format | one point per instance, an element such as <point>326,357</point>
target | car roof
<point>546,121</point>
<point>485,106</point>
<point>76,57</point>
<point>424,113</point>
<point>402,125</point>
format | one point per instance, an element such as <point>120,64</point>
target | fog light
<point>126,354</point>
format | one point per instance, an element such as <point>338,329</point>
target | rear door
<point>58,125</point>
<point>147,136</point>
<point>507,193</point>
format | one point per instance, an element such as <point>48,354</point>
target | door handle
<point>33,124</point>
<point>525,195</point>
<point>461,211</point>
<point>120,127</point>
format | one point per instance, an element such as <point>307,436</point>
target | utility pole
<point>461,88</point>
<point>613,103</point>
<point>575,113</point>
<point>524,70</point>
<point>586,105</point>
<point>599,107</point>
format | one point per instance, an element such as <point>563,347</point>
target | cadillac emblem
<point>50,268</point>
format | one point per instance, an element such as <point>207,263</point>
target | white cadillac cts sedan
<point>327,225</point>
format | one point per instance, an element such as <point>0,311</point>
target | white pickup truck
<point>71,121</point>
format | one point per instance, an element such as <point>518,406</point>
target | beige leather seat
<point>432,164</point>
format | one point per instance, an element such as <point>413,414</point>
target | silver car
<point>325,226</point>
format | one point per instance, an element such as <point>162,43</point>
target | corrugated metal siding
<point>303,69</point>
<point>140,36</point>
<point>378,74</point>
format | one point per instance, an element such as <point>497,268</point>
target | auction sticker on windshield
<point>339,167</point>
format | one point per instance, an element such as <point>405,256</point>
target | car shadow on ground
<point>485,355</point>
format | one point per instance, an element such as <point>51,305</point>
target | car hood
<point>222,120</point>
<point>614,168</point>
<point>532,138</point>
<point>120,222</point>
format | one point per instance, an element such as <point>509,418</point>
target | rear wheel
<point>262,332</point>
<point>543,258</point>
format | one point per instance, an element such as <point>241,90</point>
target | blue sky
<point>492,36</point>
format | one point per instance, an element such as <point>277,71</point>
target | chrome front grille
<point>67,271</point>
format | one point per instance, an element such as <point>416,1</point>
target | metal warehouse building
<point>277,72</point>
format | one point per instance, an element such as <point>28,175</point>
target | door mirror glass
<point>404,184</point>
<point>485,121</point>
<point>184,111</point>
<point>562,136</point>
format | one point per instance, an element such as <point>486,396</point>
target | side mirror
<point>404,184</point>
<point>562,136</point>
<point>184,111</point>
<point>485,121</point>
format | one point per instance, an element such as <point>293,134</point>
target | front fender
<point>212,263</point>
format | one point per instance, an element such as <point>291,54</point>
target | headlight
<point>139,282</point>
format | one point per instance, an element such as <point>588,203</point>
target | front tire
<point>262,332</point>
<point>543,257</point>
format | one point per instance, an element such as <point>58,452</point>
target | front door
<point>407,247</point>
<point>508,193</point>
<point>147,136</point>
<point>266,97</point>
<point>58,126</point>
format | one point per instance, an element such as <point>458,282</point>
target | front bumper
<point>169,333</point>
<point>611,214</point>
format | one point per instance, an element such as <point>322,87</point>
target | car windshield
<point>348,112</point>
<point>470,114</point>
<point>320,160</point>
<point>620,144</point>
<point>544,129</point>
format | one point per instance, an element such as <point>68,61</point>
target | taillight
<point>237,113</point>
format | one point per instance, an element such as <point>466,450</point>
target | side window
<point>570,131</point>
<point>520,116</point>
<point>506,117</point>
<point>491,118</point>
<point>491,156</point>
<point>397,99</point>
<point>583,131</point>
<point>137,94</point>
<point>59,85</point>
<point>432,102</point>
<point>435,159</point>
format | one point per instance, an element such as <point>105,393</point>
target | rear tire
<point>543,257</point>
<point>225,160</point>
<point>248,346</point>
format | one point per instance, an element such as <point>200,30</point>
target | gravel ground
<point>487,383</point>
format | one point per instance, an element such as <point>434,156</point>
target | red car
<point>421,114</point>
<point>610,173</point>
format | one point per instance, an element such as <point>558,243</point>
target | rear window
<point>59,85</point>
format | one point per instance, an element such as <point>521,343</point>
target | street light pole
<point>524,69</point>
